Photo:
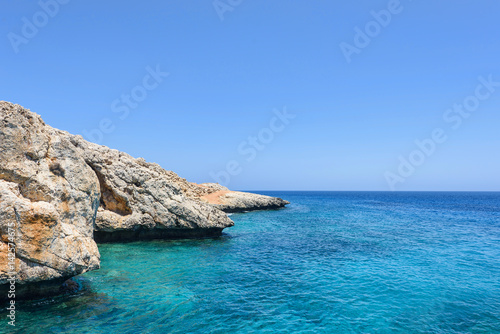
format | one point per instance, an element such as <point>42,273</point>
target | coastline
<point>68,193</point>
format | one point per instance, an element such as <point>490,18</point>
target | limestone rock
<point>141,200</point>
<point>221,197</point>
<point>59,192</point>
<point>237,201</point>
<point>49,199</point>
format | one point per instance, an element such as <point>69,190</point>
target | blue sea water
<point>332,262</point>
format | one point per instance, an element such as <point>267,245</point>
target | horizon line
<point>386,191</point>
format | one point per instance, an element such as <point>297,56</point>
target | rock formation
<point>58,192</point>
<point>141,200</point>
<point>56,188</point>
<point>236,201</point>
<point>49,198</point>
<point>224,199</point>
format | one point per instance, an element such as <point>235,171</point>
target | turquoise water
<point>332,262</point>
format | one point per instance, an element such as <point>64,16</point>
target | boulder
<point>49,198</point>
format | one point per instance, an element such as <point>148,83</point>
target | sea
<point>331,262</point>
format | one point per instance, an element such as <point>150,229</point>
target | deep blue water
<point>332,262</point>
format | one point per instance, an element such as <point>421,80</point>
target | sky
<point>270,95</point>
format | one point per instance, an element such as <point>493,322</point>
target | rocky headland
<point>59,194</point>
<point>237,201</point>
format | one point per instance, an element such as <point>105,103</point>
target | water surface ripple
<point>332,262</point>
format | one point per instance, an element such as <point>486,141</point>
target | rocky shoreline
<point>59,194</point>
<point>236,201</point>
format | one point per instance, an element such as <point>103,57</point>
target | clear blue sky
<point>353,121</point>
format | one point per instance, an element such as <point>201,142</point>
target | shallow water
<point>332,262</point>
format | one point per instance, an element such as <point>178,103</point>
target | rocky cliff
<point>49,197</point>
<point>141,200</point>
<point>56,188</point>
<point>59,192</point>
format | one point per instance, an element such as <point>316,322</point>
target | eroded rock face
<point>131,198</point>
<point>141,200</point>
<point>49,196</point>
<point>60,192</point>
